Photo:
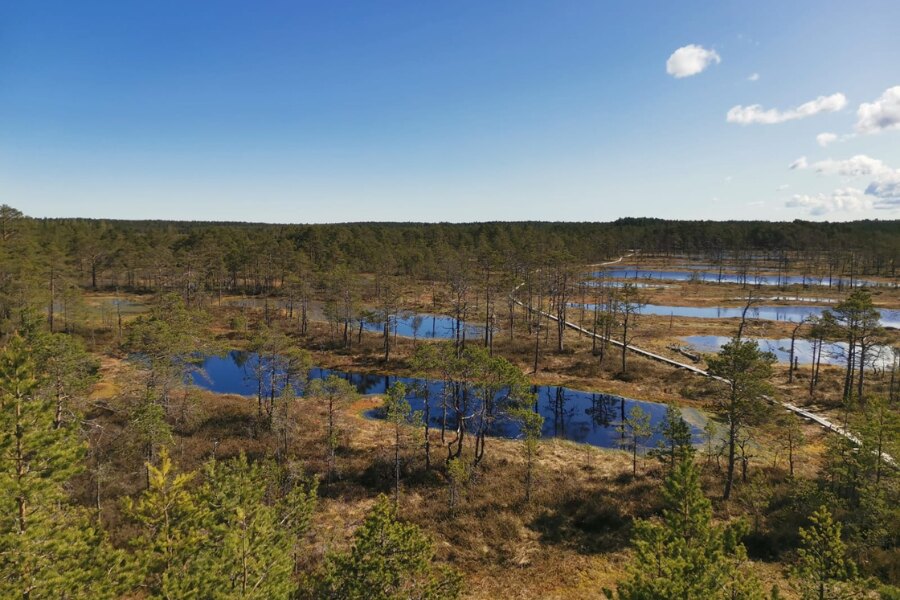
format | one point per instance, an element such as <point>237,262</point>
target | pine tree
<point>879,431</point>
<point>69,370</point>
<point>167,340</point>
<point>48,548</point>
<point>278,365</point>
<point>459,472</point>
<point>791,438</point>
<point>634,430</point>
<point>284,423</point>
<point>684,555</point>
<point>398,412</point>
<point>711,444</point>
<point>822,565</point>
<point>389,560</point>
<point>676,445</point>
<point>296,497</point>
<point>532,423</point>
<point>247,552</point>
<point>336,393</point>
<point>745,370</point>
<point>149,430</point>
<point>237,535</point>
<point>857,320</point>
<point>171,534</point>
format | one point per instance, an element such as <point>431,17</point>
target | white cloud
<point>856,166</point>
<point>884,186</point>
<point>881,115</point>
<point>755,113</point>
<point>823,139</point>
<point>691,60</point>
<point>728,179</point>
<point>753,77</point>
<point>840,200</point>
<point>887,189</point>
<point>800,163</point>
<point>782,187</point>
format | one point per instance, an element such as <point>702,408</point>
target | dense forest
<point>47,255</point>
<point>121,476</point>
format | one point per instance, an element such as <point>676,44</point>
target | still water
<point>426,326</point>
<point>587,417</point>
<point>726,277</point>
<point>832,354</point>
<point>889,317</point>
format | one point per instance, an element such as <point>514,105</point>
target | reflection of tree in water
<point>602,410</point>
<point>240,357</point>
<point>556,401</point>
<point>247,363</point>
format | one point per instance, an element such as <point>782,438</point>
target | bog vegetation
<point>121,478</point>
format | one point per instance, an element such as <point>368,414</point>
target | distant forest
<point>153,255</point>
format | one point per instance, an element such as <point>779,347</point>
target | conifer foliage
<point>822,566</point>
<point>389,560</point>
<point>233,536</point>
<point>48,548</point>
<point>685,555</point>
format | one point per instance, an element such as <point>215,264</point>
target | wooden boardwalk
<point>801,412</point>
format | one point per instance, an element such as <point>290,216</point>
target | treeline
<point>872,240</point>
<point>149,254</point>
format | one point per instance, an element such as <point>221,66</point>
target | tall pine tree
<point>48,547</point>
<point>822,566</point>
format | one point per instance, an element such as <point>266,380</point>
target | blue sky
<point>450,111</point>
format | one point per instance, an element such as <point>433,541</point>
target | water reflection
<point>587,417</point>
<point>427,326</point>
<point>730,277</point>
<point>889,317</point>
<point>832,354</point>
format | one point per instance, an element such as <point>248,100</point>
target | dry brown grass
<point>568,543</point>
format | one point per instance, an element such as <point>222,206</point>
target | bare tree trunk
<point>729,475</point>
<point>793,339</point>
<point>52,298</point>
<point>396,465</point>
<point>863,351</point>
<point>426,418</point>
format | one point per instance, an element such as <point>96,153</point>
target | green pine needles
<point>684,555</point>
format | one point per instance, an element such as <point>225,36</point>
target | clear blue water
<point>833,353</point>
<point>618,284</point>
<point>586,417</point>
<point>427,326</point>
<point>889,317</point>
<point>713,276</point>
